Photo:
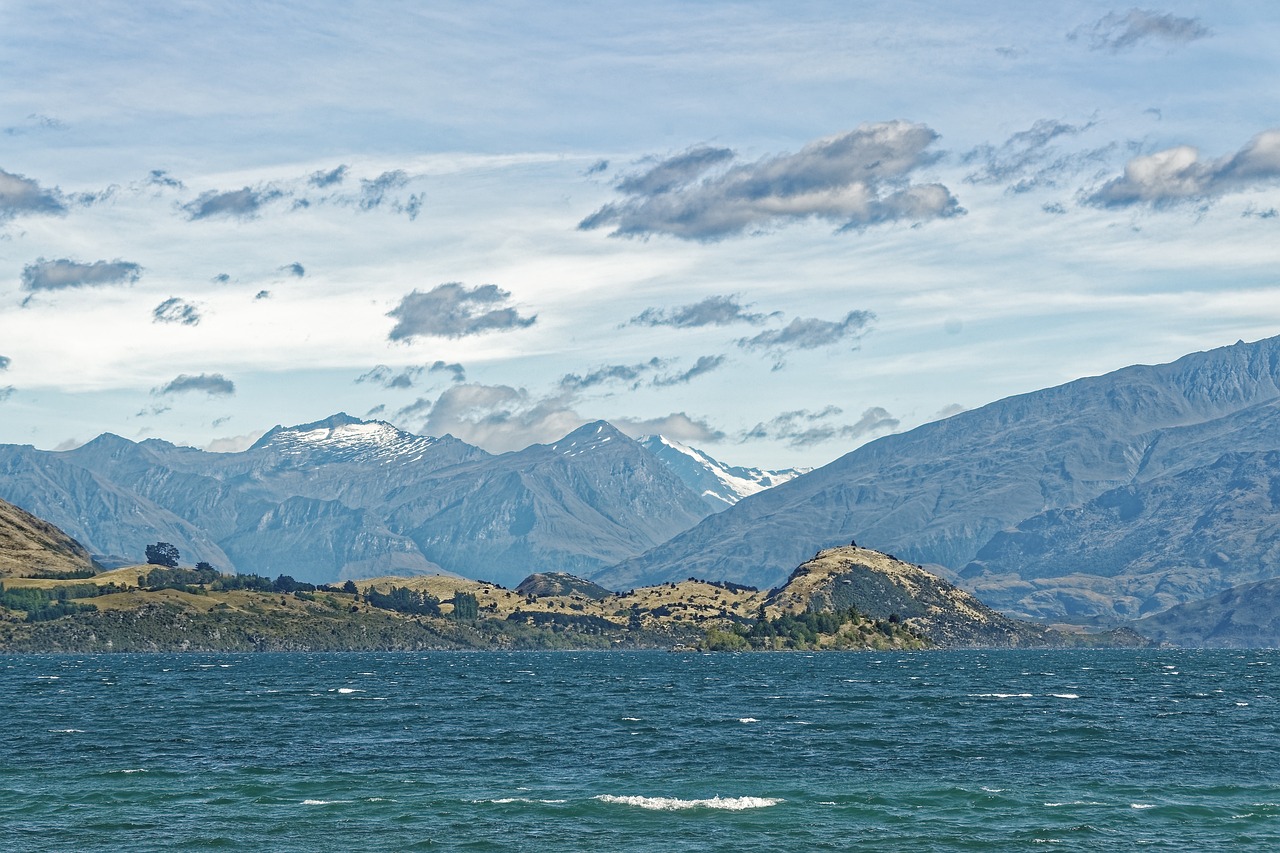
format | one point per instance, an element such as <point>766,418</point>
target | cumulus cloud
<point>233,443</point>
<point>20,195</point>
<point>1029,158</point>
<point>855,179</point>
<point>64,273</point>
<point>294,269</point>
<point>1116,32</point>
<point>712,311</point>
<point>500,418</point>
<point>1177,175</point>
<point>175,310</point>
<point>677,425</point>
<point>243,203</point>
<point>803,428</point>
<point>213,384</point>
<point>329,178</point>
<point>453,310</point>
<point>811,333</point>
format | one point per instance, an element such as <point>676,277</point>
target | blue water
<point>641,751</point>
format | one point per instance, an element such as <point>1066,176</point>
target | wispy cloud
<point>453,310</point>
<point>1030,159</point>
<point>704,365</point>
<point>803,428</point>
<point>712,311</point>
<point>213,384</point>
<point>1177,175</point>
<point>294,269</point>
<point>677,425</point>
<point>856,179</point>
<point>175,310</point>
<point>6,392</point>
<point>1118,31</point>
<point>811,333</point>
<point>22,195</point>
<point>630,374</point>
<point>64,274</point>
<point>243,203</point>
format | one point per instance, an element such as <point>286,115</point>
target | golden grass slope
<point>30,545</point>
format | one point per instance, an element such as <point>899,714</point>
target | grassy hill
<point>29,546</point>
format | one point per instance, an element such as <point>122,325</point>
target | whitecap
<point>349,690</point>
<point>1141,805</point>
<point>47,677</point>
<point>748,720</point>
<point>1000,695</point>
<point>324,802</point>
<point>502,801</point>
<point>667,804</point>
<point>632,719</point>
<point>1065,695</point>
<point>67,731</point>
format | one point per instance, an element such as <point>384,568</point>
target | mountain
<point>1242,617</point>
<point>343,497</point>
<point>30,545</point>
<point>940,493</point>
<point>720,485</point>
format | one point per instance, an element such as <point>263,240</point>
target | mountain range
<point>348,498</point>
<point>1110,496</point>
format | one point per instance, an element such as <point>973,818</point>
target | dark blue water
<point>641,751</point>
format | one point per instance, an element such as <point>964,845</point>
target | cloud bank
<point>453,310</point>
<point>64,274</point>
<point>22,195</point>
<point>856,179</point>
<point>1178,175</point>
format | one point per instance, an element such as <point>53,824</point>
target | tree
<point>466,607</point>
<point>350,588</point>
<point>162,554</point>
<point>202,566</point>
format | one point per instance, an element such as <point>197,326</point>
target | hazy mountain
<point>1242,617</point>
<point>344,497</point>
<point>720,485</point>
<point>29,545</point>
<point>939,493</point>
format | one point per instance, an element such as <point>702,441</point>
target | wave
<point>670,804</point>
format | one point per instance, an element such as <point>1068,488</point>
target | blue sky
<point>774,231</point>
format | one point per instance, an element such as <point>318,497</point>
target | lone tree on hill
<point>162,554</point>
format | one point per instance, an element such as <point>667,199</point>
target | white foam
<point>324,802</point>
<point>505,800</point>
<point>1141,806</point>
<point>748,720</point>
<point>67,731</point>
<point>670,804</point>
<point>1000,695</point>
<point>349,690</point>
<point>1065,695</point>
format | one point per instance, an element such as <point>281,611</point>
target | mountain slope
<point>1243,617</point>
<point>939,493</point>
<point>720,485</point>
<point>343,498</point>
<point>30,545</point>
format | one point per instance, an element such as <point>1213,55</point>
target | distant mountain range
<point>1110,496</point>
<point>348,498</point>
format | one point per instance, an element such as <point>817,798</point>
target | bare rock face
<point>30,545</point>
<point>1111,496</point>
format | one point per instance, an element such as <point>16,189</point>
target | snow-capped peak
<point>587,437</point>
<point>720,485</point>
<point>346,439</point>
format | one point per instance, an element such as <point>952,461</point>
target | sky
<point>773,231</point>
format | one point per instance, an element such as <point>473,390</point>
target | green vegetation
<point>42,605</point>
<point>844,629</point>
<point>163,554</point>
<point>404,600</point>
<point>466,607</point>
